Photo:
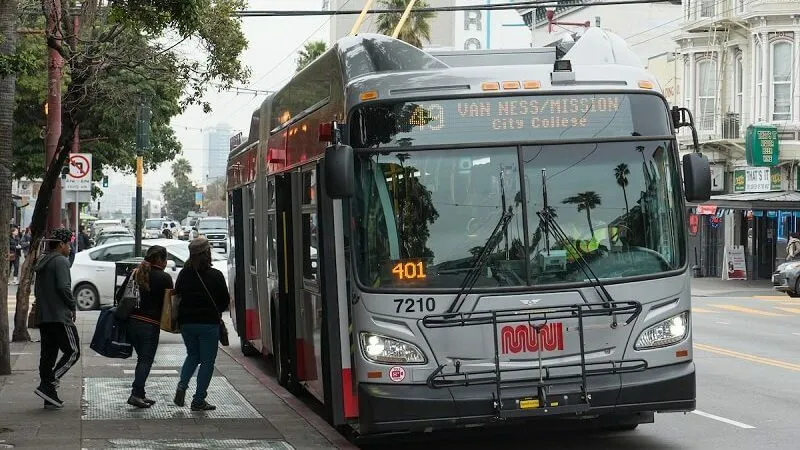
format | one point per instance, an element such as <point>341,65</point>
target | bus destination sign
<point>517,114</point>
<point>501,119</point>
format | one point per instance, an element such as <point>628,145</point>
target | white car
<point>93,271</point>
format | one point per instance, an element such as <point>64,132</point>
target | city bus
<point>432,241</point>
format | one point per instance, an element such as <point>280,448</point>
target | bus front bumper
<point>409,408</point>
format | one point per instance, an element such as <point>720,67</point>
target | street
<point>748,383</point>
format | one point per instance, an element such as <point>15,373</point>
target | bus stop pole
<point>142,141</point>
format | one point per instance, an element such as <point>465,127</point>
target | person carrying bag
<point>203,297</point>
<point>143,302</point>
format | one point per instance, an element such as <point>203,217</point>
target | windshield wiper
<point>472,277</point>
<point>551,225</point>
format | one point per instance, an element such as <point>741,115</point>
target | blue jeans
<point>201,341</point>
<point>144,338</point>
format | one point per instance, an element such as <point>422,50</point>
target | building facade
<point>216,152</point>
<point>739,62</point>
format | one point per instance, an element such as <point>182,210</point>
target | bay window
<point>706,95</point>
<point>782,80</point>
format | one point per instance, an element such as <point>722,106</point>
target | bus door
<point>308,302</point>
<point>236,260</point>
<point>323,362</point>
<point>252,328</point>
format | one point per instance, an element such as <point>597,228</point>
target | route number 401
<point>411,305</point>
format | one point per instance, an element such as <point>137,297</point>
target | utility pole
<point>53,111</point>
<point>142,142</point>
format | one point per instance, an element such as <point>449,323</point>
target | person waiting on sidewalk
<point>57,310</point>
<point>204,296</point>
<point>14,254</point>
<point>793,247</point>
<point>143,321</point>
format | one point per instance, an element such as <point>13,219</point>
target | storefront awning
<point>768,201</point>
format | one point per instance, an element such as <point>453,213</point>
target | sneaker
<point>138,402</point>
<point>49,405</point>
<point>149,401</point>
<point>48,393</point>
<point>203,406</point>
<point>180,396</point>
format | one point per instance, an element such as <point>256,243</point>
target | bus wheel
<point>248,349</point>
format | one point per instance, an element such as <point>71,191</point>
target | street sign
<point>80,172</point>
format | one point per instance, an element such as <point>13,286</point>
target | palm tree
<point>621,173</point>
<point>586,201</point>
<point>181,168</point>
<point>415,30</point>
<point>311,51</point>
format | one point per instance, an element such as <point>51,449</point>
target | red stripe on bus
<point>349,398</point>
<point>252,324</point>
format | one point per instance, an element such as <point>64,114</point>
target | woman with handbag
<point>143,320</point>
<point>204,296</point>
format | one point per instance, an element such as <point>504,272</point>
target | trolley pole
<point>142,142</point>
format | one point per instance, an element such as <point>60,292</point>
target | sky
<point>272,48</point>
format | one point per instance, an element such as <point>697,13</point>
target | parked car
<point>785,278</point>
<point>186,233</point>
<point>111,238</point>
<point>93,271</point>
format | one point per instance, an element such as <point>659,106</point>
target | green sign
<point>757,179</point>
<point>761,144</point>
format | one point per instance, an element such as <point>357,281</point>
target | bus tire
<point>248,349</point>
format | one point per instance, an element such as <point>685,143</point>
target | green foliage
<point>311,51</point>
<point>417,27</point>
<point>179,192</point>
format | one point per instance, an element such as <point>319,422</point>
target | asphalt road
<point>747,352</point>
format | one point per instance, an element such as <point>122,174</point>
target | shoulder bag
<point>223,330</point>
<point>130,298</point>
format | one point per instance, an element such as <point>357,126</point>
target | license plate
<point>218,244</point>
<point>529,404</point>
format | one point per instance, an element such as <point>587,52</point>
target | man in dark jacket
<point>57,309</point>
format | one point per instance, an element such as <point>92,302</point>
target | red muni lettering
<point>524,338</point>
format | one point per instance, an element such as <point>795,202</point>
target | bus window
<point>251,204</point>
<point>272,229</point>
<point>310,263</point>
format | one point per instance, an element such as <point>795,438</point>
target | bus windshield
<point>423,216</point>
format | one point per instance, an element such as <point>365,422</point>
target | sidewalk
<point>252,411</point>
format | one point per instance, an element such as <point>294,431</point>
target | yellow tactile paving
<point>742,309</point>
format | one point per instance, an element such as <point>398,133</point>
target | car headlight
<point>665,333</point>
<point>383,349</point>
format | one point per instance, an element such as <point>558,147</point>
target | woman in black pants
<point>143,324</point>
<point>204,296</point>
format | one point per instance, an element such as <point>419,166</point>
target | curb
<point>293,402</point>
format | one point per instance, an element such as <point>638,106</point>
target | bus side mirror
<point>339,178</point>
<point>696,177</point>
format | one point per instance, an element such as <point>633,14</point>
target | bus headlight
<point>667,332</point>
<point>383,349</point>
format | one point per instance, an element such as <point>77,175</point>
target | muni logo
<point>524,338</point>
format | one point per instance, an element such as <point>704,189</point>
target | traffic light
<point>105,181</point>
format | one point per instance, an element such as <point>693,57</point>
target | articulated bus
<point>429,240</point>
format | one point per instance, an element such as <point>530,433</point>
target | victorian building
<point>739,65</point>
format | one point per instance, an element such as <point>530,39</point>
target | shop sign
<point>757,179</point>
<point>761,145</point>
<point>736,268</point>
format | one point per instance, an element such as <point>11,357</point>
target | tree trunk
<point>40,211</point>
<point>8,21</point>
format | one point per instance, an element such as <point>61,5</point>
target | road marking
<point>701,310</point>
<point>789,310</point>
<point>796,334</point>
<point>748,357</point>
<point>153,372</point>
<point>771,298</point>
<point>724,323</point>
<point>723,420</point>
<point>742,309</point>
